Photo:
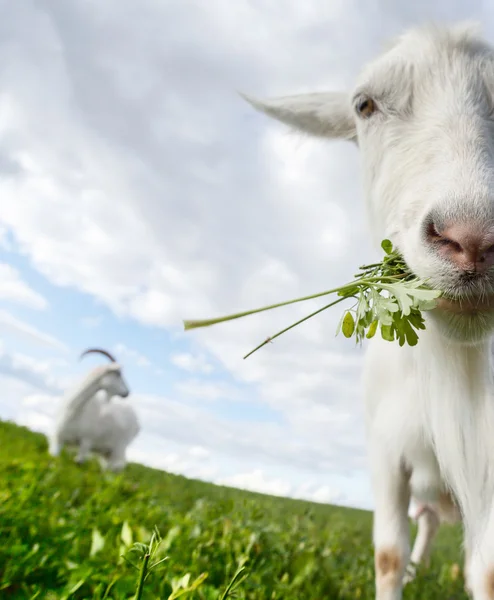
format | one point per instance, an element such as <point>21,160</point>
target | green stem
<point>142,576</point>
<point>295,324</point>
<point>367,267</point>
<point>235,580</point>
<point>194,324</point>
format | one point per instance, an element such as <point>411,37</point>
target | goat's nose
<point>468,246</point>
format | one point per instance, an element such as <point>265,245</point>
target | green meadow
<point>74,532</point>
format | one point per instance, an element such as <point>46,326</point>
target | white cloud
<point>125,352</point>
<point>191,362</point>
<point>35,373</point>
<point>92,322</point>
<point>256,481</point>
<point>12,324</point>
<point>133,172</point>
<point>199,452</point>
<point>207,390</point>
<point>14,289</point>
<point>35,421</point>
<point>325,494</point>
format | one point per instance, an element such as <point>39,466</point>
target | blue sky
<point>155,359</point>
<point>138,189</point>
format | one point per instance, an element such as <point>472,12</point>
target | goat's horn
<point>98,351</point>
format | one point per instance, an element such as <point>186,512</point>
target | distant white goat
<point>422,115</point>
<point>93,419</point>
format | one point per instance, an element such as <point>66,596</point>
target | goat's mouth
<point>464,312</point>
<point>466,305</point>
<point>469,294</point>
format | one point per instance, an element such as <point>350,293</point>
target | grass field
<point>64,529</point>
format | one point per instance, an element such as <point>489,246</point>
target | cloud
<point>291,444</point>
<point>207,390</point>
<point>92,322</point>
<point>257,481</point>
<point>36,421</point>
<point>191,363</point>
<point>123,351</point>
<point>10,323</point>
<point>136,175</point>
<point>33,372</point>
<point>199,452</point>
<point>239,178</point>
<point>14,289</point>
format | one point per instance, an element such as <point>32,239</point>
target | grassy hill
<point>64,529</point>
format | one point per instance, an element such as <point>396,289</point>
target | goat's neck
<point>455,388</point>
<point>80,397</point>
<point>453,366</point>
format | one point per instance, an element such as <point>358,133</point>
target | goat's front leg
<point>466,569</point>
<point>54,445</point>
<point>84,450</point>
<point>480,562</point>
<point>391,529</point>
<point>116,461</point>
<point>428,525</point>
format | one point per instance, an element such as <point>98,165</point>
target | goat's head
<point>111,380</point>
<point>422,115</point>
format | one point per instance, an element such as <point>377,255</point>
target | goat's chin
<point>465,311</point>
<point>468,327</point>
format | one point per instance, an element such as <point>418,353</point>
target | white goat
<point>422,114</point>
<point>94,420</point>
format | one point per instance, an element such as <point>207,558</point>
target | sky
<point>138,189</point>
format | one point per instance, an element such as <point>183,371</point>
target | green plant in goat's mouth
<point>386,295</point>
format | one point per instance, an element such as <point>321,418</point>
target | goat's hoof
<point>410,573</point>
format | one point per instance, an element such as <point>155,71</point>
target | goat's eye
<point>366,107</point>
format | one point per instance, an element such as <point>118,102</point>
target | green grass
<point>64,529</point>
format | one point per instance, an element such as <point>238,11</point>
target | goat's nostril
<point>432,233</point>
<point>469,246</point>
<point>454,245</point>
<point>435,237</point>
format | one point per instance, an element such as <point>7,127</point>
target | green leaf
<point>412,337</point>
<point>372,329</point>
<point>348,325</point>
<point>416,319</point>
<point>401,294</point>
<point>126,534</point>
<point>387,333</point>
<point>362,307</point>
<point>383,315</point>
<point>388,304</point>
<point>359,331</point>
<point>348,292</point>
<point>369,317</point>
<point>340,322</point>
<point>387,246</point>
<point>425,304</point>
<point>97,542</point>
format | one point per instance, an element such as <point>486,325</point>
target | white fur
<point>427,150</point>
<point>95,420</point>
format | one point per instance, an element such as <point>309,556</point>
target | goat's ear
<point>327,114</point>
